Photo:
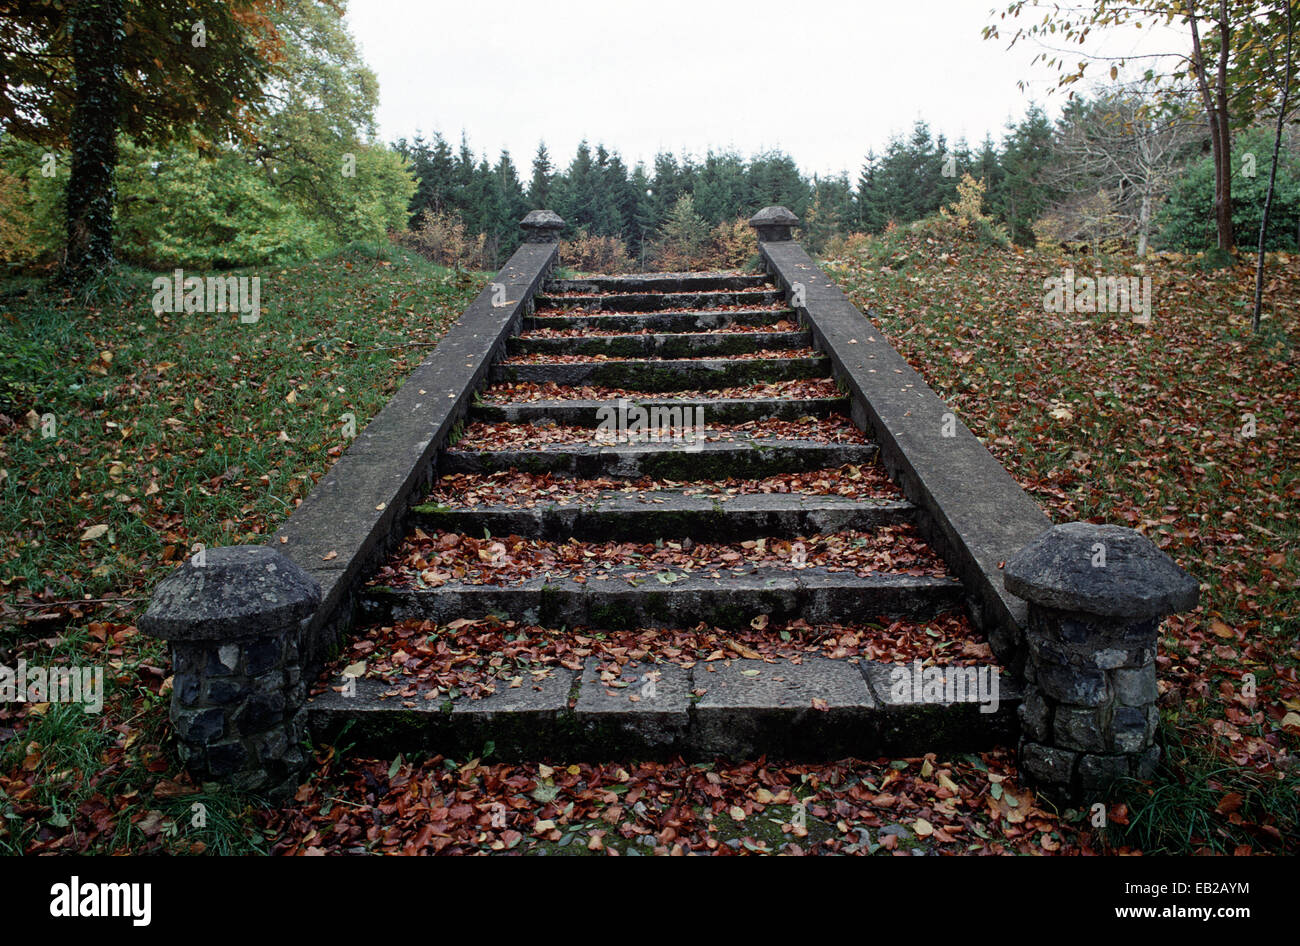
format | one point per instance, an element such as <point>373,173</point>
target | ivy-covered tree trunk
<point>97,34</point>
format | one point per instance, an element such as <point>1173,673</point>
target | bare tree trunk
<point>1216,111</point>
<point>97,34</point>
<point>1256,313</point>
<point>1223,195</point>
<point>1144,225</point>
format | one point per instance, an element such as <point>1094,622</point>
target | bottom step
<point>741,708</point>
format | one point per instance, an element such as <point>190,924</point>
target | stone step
<point>675,345</point>
<point>670,514</point>
<point>658,301</point>
<point>729,601</point>
<point>701,321</point>
<point>713,460</point>
<point>659,282</point>
<point>715,411</point>
<point>739,708</point>
<point>667,375</point>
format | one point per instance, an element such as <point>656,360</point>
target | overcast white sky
<point>823,80</point>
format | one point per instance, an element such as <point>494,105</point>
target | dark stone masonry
<point>1096,597</point>
<point>233,617</point>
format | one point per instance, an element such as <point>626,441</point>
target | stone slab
<point>730,601</point>
<point>913,722</point>
<point>658,282</point>
<point>623,517</point>
<point>645,704</point>
<point>656,301</point>
<point>709,460</point>
<point>587,413</point>
<point>814,708</point>
<point>689,374</point>
<point>661,345</point>
<point>702,320</point>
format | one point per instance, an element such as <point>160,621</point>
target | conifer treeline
<point>1043,178</point>
<point>597,191</point>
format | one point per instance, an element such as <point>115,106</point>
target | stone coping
<point>344,526</point>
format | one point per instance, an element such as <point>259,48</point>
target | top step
<point>660,301</point>
<point>658,282</point>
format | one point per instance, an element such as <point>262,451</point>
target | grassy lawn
<point>167,430</point>
<point>1186,429</point>
<point>181,429</point>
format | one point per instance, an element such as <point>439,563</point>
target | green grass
<point>196,429</point>
<point>1102,419</point>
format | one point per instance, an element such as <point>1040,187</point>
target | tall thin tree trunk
<point>1256,313</point>
<point>1144,225</point>
<point>1223,199</point>
<point>1216,111</point>
<point>97,34</point>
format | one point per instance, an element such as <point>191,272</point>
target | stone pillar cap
<point>240,591</point>
<point>1138,580</point>
<point>775,216</point>
<point>542,220</point>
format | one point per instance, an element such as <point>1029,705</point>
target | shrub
<point>733,244</point>
<point>176,208</point>
<point>1186,220</point>
<point>31,203</point>
<point>1084,218</point>
<point>442,238</point>
<point>595,254</point>
<point>966,214</point>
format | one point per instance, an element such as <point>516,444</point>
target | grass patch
<point>128,437</point>
<point>1186,429</point>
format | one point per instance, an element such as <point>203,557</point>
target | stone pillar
<point>773,224</point>
<point>1096,597</point>
<point>542,226</point>
<point>233,617</point>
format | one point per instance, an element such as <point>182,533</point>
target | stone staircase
<point>672,514</point>
<point>737,570</point>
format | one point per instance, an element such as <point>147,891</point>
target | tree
<point>80,72</point>
<point>432,166</point>
<point>1286,69</point>
<point>539,189</point>
<point>684,235</point>
<point>1186,220</point>
<point>315,141</point>
<point>1220,61</point>
<point>831,210</point>
<point>1026,189</point>
<point>1128,145</point>
<point>872,211</point>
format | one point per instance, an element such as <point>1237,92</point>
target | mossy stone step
<point>736,708</point>
<point>586,413</point>
<point>670,598</point>
<point>657,301</point>
<point>669,345</point>
<point>659,282</point>
<point>666,375</point>
<point>670,514</point>
<point>699,321</point>
<point>743,458</point>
